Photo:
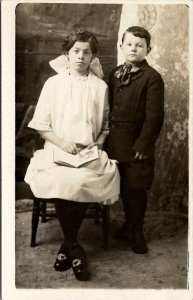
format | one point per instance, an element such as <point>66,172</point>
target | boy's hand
<point>140,156</point>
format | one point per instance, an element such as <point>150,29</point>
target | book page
<point>85,155</point>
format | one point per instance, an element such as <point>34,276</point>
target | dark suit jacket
<point>136,117</point>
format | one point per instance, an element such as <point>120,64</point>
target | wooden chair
<point>97,211</point>
<point>100,213</point>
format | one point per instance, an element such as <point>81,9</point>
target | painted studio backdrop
<point>40,30</point>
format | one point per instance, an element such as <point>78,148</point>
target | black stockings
<point>70,215</point>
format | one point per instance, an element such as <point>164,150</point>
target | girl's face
<point>134,48</point>
<point>80,57</point>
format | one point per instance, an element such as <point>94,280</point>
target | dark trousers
<point>134,200</point>
<point>70,215</point>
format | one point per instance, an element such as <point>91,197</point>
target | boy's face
<point>134,48</point>
<point>80,56</point>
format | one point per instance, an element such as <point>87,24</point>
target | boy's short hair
<point>80,36</point>
<point>139,32</point>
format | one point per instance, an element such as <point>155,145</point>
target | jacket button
<point>116,106</point>
<point>113,126</point>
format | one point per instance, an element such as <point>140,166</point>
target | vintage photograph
<point>113,77</point>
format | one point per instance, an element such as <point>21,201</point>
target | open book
<point>63,158</point>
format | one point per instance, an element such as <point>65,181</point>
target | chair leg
<point>43,211</point>
<point>97,213</point>
<point>35,220</point>
<point>106,225</point>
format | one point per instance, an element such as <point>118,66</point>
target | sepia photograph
<point>96,150</point>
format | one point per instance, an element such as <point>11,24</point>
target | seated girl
<point>72,114</point>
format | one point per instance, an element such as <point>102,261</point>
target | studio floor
<point>164,267</point>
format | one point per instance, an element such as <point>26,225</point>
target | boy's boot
<point>137,207</point>
<point>124,232</point>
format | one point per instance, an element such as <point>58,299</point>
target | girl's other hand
<point>69,147</point>
<point>100,146</point>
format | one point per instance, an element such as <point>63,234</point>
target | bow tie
<point>124,73</point>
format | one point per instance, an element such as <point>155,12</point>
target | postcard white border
<point>9,292</point>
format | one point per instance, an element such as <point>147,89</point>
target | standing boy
<point>137,113</point>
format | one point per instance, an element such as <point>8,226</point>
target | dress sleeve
<point>105,124</point>
<point>42,116</point>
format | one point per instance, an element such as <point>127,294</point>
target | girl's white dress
<point>76,109</point>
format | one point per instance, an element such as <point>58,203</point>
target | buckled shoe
<point>63,262</point>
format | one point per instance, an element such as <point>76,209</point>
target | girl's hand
<point>99,142</point>
<point>99,145</point>
<point>69,147</point>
